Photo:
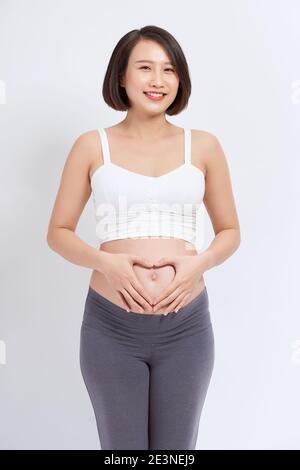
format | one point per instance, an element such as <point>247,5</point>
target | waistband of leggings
<point>199,304</point>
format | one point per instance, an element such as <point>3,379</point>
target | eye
<point>146,67</point>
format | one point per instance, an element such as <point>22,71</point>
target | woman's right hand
<point>118,270</point>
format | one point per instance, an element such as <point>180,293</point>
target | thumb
<point>163,261</point>
<point>142,260</point>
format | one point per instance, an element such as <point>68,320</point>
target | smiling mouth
<point>154,93</point>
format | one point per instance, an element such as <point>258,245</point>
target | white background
<point>243,57</point>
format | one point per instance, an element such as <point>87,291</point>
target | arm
<point>220,205</point>
<point>67,244</point>
<point>219,202</point>
<point>73,194</point>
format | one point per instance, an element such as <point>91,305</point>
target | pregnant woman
<point>147,342</point>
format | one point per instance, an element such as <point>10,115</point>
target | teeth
<point>154,94</point>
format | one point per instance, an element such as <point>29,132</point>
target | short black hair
<point>116,97</point>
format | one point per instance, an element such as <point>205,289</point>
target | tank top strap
<point>187,146</point>
<point>105,145</point>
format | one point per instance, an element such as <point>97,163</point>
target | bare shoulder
<point>88,145</point>
<point>207,149</point>
<point>204,140</point>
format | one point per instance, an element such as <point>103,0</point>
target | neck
<point>145,128</point>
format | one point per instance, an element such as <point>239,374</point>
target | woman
<point>147,343</point>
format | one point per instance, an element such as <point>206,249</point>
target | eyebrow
<point>151,61</point>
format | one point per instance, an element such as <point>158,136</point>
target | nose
<point>157,79</point>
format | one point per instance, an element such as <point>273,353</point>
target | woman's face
<point>149,69</point>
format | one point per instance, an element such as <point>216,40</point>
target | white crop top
<point>131,205</point>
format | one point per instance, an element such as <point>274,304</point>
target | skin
<point>137,143</point>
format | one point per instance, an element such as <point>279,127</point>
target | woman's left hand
<point>188,270</point>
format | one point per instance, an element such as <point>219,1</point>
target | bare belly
<point>154,280</point>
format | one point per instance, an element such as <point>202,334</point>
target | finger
<point>131,302</point>
<point>165,293</point>
<point>174,306</point>
<point>183,303</point>
<point>125,305</point>
<point>164,260</point>
<point>171,306</point>
<point>142,293</point>
<point>138,298</point>
<point>141,260</point>
<point>167,300</point>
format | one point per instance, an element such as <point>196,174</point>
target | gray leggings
<point>146,374</point>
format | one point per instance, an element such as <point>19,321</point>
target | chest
<point>151,159</point>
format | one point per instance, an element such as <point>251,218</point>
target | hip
<point>107,321</point>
